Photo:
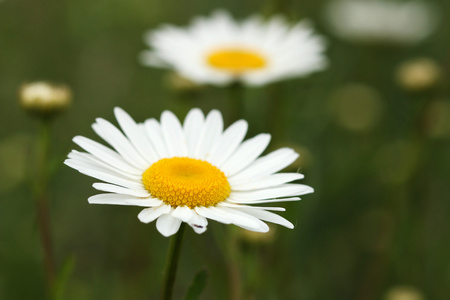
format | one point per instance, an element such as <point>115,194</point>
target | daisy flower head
<point>188,172</point>
<point>382,21</point>
<point>219,50</point>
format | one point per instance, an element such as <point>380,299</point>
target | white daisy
<point>188,173</point>
<point>382,21</point>
<point>218,50</point>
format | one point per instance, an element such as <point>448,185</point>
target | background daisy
<point>382,21</point>
<point>219,50</point>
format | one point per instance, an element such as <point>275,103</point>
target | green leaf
<point>197,286</point>
<point>62,277</point>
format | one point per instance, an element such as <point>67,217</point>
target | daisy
<point>218,50</point>
<point>385,21</point>
<point>188,172</point>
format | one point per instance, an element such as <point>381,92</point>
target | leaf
<point>197,286</point>
<point>62,277</point>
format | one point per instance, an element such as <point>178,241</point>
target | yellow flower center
<point>180,181</point>
<point>236,60</point>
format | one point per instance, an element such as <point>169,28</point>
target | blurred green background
<point>376,152</point>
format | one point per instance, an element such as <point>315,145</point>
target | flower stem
<point>172,263</point>
<point>278,111</point>
<point>233,260</point>
<point>42,204</point>
<point>237,95</point>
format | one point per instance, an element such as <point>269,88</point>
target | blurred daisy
<point>188,173</point>
<point>382,21</point>
<point>218,50</point>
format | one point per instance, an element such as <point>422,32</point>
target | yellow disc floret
<point>183,181</point>
<point>236,60</point>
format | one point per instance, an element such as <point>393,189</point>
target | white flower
<point>382,21</point>
<point>188,173</point>
<point>44,98</point>
<point>218,50</point>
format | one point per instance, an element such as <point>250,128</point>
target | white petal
<point>193,126</point>
<point>198,223</point>
<point>266,182</point>
<point>102,174</point>
<point>148,58</point>
<point>247,152</point>
<point>105,154</point>
<point>228,142</point>
<point>121,144</point>
<point>238,206</point>
<point>183,213</point>
<point>213,213</point>
<point>284,190</point>
<point>113,199</point>
<point>150,214</point>
<point>264,200</point>
<point>244,220</point>
<point>211,133</point>
<point>153,131</point>
<point>87,159</point>
<point>168,225</point>
<point>106,187</point>
<point>136,135</point>
<point>266,165</point>
<point>173,134</point>
<point>148,202</point>
<point>268,216</point>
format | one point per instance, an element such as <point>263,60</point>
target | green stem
<point>42,203</point>
<point>172,263</point>
<point>277,114</point>
<point>237,100</point>
<point>185,100</point>
<point>227,240</point>
<point>232,254</point>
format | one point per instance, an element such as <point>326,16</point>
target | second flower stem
<point>237,95</point>
<point>42,203</point>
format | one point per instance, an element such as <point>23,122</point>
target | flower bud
<point>404,293</point>
<point>418,74</point>
<point>44,99</point>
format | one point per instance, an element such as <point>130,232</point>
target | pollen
<point>236,60</point>
<point>183,181</point>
